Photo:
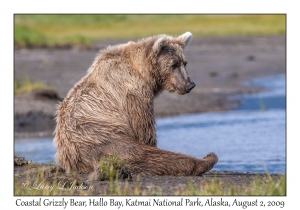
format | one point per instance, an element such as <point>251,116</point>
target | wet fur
<point>110,111</point>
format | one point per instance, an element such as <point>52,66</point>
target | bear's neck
<point>143,65</point>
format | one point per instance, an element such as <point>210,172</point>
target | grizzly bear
<point>110,110</point>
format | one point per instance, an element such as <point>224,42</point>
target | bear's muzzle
<point>190,86</point>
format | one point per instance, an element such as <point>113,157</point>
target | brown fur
<point>110,111</point>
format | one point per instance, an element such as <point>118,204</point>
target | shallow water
<point>250,138</point>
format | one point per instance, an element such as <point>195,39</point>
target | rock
<point>213,74</point>
<point>48,94</point>
<point>20,161</point>
<point>251,58</point>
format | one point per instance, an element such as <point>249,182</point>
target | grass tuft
<point>27,86</point>
<point>109,168</point>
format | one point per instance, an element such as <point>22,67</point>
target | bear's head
<point>171,62</point>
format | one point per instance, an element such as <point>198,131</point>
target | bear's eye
<point>184,63</point>
<point>175,65</point>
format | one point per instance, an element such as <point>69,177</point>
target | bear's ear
<point>185,39</point>
<point>159,43</point>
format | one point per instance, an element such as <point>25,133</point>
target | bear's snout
<point>190,86</point>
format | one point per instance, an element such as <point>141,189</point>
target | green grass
<point>268,187</point>
<point>109,168</point>
<point>260,186</point>
<point>25,85</point>
<point>63,30</point>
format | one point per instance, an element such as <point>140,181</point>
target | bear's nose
<point>190,86</point>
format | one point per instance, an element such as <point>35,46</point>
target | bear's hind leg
<point>148,160</point>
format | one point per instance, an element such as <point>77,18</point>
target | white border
<point>154,6</point>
